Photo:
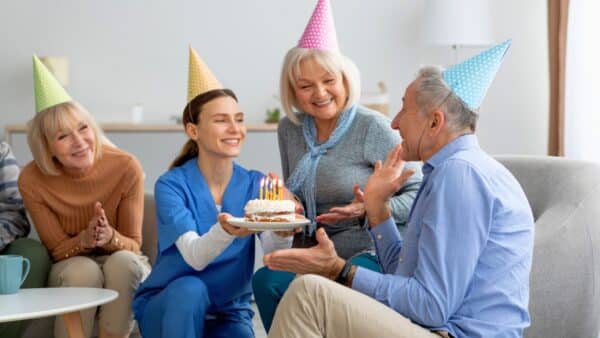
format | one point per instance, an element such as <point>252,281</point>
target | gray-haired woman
<point>329,145</point>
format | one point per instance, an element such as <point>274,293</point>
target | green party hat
<point>48,91</point>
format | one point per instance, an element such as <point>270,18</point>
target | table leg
<point>73,324</point>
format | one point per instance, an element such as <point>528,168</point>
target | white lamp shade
<point>457,23</point>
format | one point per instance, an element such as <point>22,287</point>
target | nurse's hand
<point>232,229</point>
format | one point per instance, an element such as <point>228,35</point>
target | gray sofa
<point>565,279</point>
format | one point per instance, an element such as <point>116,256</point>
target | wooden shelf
<point>130,127</point>
<point>149,127</point>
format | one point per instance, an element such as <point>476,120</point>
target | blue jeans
<point>182,310</point>
<point>269,286</point>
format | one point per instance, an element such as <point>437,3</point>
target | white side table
<point>45,302</point>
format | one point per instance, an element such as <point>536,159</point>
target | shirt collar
<point>467,141</point>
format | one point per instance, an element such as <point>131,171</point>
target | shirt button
<point>401,259</point>
<point>379,236</point>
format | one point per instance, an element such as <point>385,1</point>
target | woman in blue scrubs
<point>200,284</point>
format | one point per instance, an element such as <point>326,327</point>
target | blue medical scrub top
<point>184,203</point>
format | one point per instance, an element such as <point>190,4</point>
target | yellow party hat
<point>200,78</point>
<point>48,91</point>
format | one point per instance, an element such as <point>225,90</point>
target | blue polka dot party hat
<point>471,79</point>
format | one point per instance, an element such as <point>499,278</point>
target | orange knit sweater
<point>62,206</point>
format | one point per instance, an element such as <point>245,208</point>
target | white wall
<point>123,52</point>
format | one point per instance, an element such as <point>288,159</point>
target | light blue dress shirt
<point>464,264</point>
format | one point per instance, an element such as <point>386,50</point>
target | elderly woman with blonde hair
<point>85,198</point>
<point>329,145</point>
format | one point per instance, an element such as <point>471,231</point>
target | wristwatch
<point>343,276</point>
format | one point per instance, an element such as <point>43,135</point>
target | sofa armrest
<point>149,239</point>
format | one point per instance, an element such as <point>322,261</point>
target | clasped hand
<point>98,232</point>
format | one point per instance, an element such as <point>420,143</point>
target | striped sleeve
<point>13,222</point>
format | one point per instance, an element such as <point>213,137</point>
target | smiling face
<point>318,92</point>
<point>74,144</point>
<point>410,123</point>
<point>220,131</point>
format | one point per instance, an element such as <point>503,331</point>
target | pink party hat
<point>320,30</point>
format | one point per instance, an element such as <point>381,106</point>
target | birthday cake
<point>264,210</point>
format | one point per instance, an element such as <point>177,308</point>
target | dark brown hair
<point>191,114</point>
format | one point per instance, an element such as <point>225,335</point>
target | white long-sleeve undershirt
<point>198,251</point>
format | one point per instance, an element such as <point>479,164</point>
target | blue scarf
<point>302,180</point>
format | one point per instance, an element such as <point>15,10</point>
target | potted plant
<point>272,115</point>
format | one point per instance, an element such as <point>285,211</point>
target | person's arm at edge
<point>13,208</point>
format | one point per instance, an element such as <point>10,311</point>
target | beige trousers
<point>121,271</point>
<point>314,306</point>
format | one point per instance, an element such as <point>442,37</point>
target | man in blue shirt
<point>462,269</point>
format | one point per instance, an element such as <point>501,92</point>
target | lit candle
<point>279,189</point>
<point>273,187</point>
<point>262,188</point>
<point>269,189</point>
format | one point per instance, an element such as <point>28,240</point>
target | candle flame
<point>279,189</point>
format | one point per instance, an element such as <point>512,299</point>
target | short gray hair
<point>332,61</point>
<point>433,92</point>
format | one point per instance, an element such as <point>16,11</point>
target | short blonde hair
<point>43,127</point>
<point>332,61</point>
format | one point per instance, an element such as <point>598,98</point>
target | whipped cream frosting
<point>269,206</point>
